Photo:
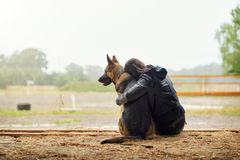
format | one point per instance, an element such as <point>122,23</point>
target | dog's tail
<point>121,139</point>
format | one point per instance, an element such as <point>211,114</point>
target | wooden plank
<point>208,93</point>
<point>28,133</point>
<point>97,130</point>
<point>203,76</point>
<point>213,130</point>
<point>206,83</point>
<point>57,130</point>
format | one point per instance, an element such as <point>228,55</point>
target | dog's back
<point>136,121</point>
<point>136,115</point>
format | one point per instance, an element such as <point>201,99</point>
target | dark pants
<point>172,122</point>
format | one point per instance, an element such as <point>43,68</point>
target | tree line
<point>31,65</point>
<point>228,37</point>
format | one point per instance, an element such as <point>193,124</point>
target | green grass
<point>86,112</point>
<point>15,113</point>
<point>67,121</point>
<point>26,124</point>
<point>78,86</point>
<point>87,87</point>
<point>29,90</point>
<point>228,111</point>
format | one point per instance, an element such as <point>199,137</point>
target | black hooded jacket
<point>162,96</point>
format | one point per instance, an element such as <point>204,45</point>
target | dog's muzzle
<point>105,80</point>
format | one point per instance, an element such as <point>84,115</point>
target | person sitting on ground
<point>167,113</point>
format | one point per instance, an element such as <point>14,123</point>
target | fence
<point>200,85</point>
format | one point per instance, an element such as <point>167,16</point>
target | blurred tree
<point>58,79</point>
<point>31,64</point>
<point>30,58</point>
<point>93,72</point>
<point>75,72</point>
<point>22,66</point>
<point>3,60</point>
<point>228,37</point>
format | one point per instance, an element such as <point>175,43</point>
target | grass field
<point>226,117</point>
<point>230,111</point>
<point>15,113</point>
<point>86,86</point>
<point>96,108</point>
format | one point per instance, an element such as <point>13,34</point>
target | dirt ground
<point>85,145</point>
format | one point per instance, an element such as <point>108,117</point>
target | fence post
<point>204,84</point>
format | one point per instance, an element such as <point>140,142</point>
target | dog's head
<point>111,72</point>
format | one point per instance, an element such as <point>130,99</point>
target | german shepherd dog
<point>135,121</point>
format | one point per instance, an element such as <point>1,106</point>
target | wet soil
<point>215,145</point>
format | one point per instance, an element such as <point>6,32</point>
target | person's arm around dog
<point>143,85</point>
<point>139,89</point>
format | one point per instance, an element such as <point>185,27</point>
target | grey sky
<point>171,33</point>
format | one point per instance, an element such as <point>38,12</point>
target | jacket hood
<point>158,71</point>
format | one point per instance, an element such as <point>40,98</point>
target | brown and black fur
<point>135,121</point>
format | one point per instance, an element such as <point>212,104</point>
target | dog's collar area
<point>118,75</point>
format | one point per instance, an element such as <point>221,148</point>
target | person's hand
<point>121,99</point>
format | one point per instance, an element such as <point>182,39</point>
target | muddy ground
<point>109,121</point>
<point>215,145</point>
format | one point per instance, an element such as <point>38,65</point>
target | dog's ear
<point>115,59</point>
<point>109,60</point>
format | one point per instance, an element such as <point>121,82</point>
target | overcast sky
<point>171,33</point>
